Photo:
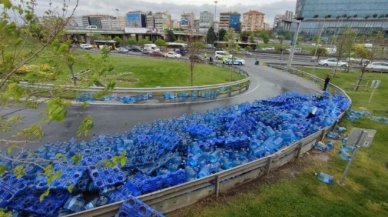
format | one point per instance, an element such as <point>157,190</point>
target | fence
<point>170,199</point>
<point>162,94</point>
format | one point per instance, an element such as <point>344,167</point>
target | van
<point>151,47</point>
<point>221,54</point>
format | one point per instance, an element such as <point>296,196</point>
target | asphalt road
<point>265,83</point>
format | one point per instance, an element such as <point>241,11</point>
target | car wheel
<point>344,66</point>
<point>326,65</point>
<point>240,64</point>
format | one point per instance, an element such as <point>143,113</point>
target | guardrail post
<point>230,91</point>
<point>323,135</point>
<point>269,164</point>
<point>300,146</point>
<point>217,186</point>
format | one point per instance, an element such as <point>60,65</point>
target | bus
<point>180,48</point>
<point>111,44</point>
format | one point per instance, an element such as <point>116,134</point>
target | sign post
<point>375,84</point>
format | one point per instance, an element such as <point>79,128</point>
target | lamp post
<point>291,56</point>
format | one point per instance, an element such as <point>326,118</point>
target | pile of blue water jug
<point>160,154</point>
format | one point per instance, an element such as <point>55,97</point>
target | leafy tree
<point>131,41</point>
<point>170,36</point>
<point>221,34</point>
<point>211,36</point>
<point>143,41</point>
<point>264,35</point>
<point>233,47</point>
<point>160,42</point>
<point>244,36</point>
<point>118,40</point>
<point>363,53</point>
<point>320,52</point>
<point>344,45</point>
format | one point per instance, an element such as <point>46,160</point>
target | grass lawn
<point>296,192</point>
<point>139,71</point>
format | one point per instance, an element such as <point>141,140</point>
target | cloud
<point>271,8</point>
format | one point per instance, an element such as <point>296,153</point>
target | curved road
<point>265,83</point>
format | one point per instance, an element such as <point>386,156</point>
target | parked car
<point>332,62</point>
<point>268,49</point>
<point>377,67</point>
<point>172,54</point>
<point>297,50</point>
<point>197,58</point>
<point>234,61</point>
<point>122,50</point>
<point>157,54</point>
<point>86,46</point>
<point>358,61</point>
<point>135,49</point>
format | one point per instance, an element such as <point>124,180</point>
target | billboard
<point>134,20</point>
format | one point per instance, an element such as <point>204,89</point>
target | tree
<point>233,47</point>
<point>244,36</point>
<point>118,40</point>
<point>143,41</point>
<point>131,41</point>
<point>170,36</point>
<point>363,53</point>
<point>344,45</point>
<point>160,42</point>
<point>211,36</point>
<point>320,52</point>
<point>221,34</point>
<point>264,35</point>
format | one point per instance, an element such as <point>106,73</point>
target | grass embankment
<point>140,71</point>
<point>296,192</point>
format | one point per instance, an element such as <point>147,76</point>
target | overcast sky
<point>176,7</point>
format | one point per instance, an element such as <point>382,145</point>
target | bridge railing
<point>173,198</point>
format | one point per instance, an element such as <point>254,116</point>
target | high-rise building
<point>136,19</point>
<point>334,15</point>
<point>205,21</point>
<point>187,21</point>
<point>150,20</point>
<point>252,21</point>
<point>283,22</point>
<point>230,20</point>
<point>162,21</point>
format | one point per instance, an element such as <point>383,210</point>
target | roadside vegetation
<point>294,190</point>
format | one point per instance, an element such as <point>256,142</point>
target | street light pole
<point>291,56</point>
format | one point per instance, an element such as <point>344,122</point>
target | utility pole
<point>296,34</point>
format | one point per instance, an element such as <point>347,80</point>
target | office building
<point>283,22</point>
<point>334,16</point>
<point>162,21</point>
<point>136,19</point>
<point>187,21</point>
<point>205,21</point>
<point>230,20</point>
<point>253,21</point>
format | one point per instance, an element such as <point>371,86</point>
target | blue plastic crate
<point>10,186</point>
<point>133,207</point>
<point>106,177</point>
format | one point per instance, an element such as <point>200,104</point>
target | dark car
<point>197,58</point>
<point>135,49</point>
<point>156,54</point>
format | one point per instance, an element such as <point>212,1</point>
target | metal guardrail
<point>173,198</point>
<point>229,88</point>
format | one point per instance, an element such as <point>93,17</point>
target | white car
<point>234,61</point>
<point>122,50</point>
<point>268,48</point>
<point>172,54</point>
<point>377,67</point>
<point>332,62</point>
<point>86,46</point>
<point>219,55</point>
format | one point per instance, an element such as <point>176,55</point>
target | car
<point>122,50</point>
<point>377,67</point>
<point>86,46</point>
<point>358,61</point>
<point>172,54</point>
<point>234,61</point>
<point>135,49</point>
<point>296,50</point>
<point>246,53</point>
<point>219,55</point>
<point>268,49</point>
<point>333,62</point>
<point>157,54</point>
<point>197,58</point>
